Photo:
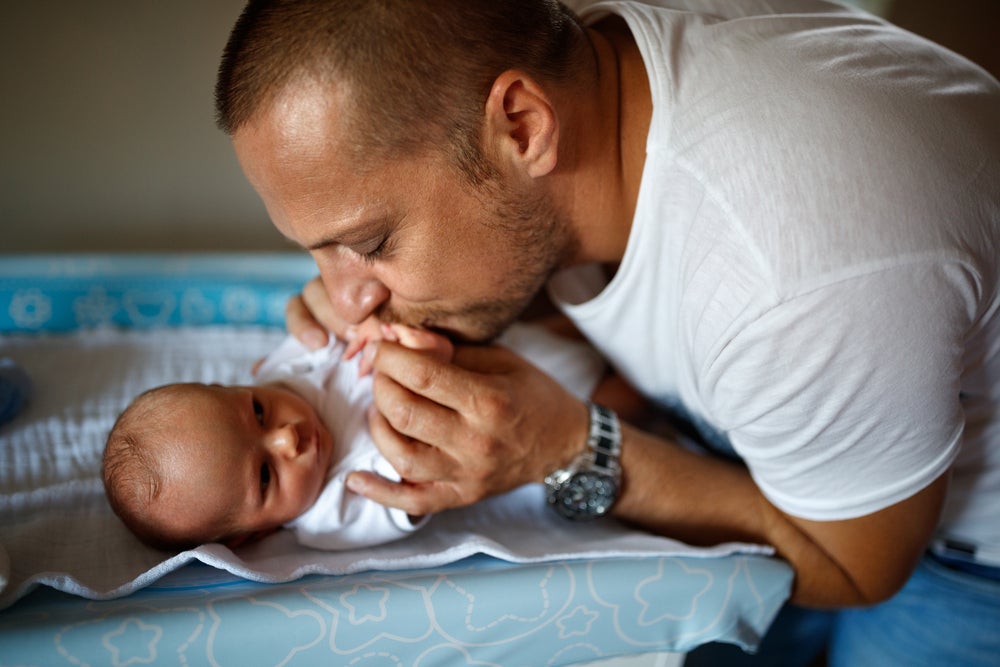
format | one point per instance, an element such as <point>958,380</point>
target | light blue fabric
<point>476,612</point>
<point>942,616</point>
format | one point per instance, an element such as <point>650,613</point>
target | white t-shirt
<point>813,264</point>
<point>341,519</point>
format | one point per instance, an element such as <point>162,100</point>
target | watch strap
<point>575,492</point>
<point>604,442</point>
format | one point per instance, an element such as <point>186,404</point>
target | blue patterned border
<point>68,292</point>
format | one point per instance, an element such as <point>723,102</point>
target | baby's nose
<point>285,440</point>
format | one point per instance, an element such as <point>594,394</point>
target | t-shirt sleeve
<point>845,399</point>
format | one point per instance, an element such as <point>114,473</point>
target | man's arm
<point>461,432</point>
<point>705,500</point>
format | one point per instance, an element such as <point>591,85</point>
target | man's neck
<point>604,144</point>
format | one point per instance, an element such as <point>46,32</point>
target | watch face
<point>586,495</point>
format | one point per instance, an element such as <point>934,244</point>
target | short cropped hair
<point>418,71</point>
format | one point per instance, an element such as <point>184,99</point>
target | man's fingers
<point>310,315</point>
<point>302,319</point>
<point>414,499</point>
<point>301,324</point>
<point>402,441</point>
<point>446,384</point>
<point>420,339</point>
<point>420,373</point>
<point>487,359</point>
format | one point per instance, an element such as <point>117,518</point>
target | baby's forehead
<point>188,390</point>
<point>198,421</point>
<point>192,460</point>
<point>189,396</point>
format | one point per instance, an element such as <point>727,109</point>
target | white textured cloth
<point>57,529</point>
<point>341,519</point>
<point>812,269</point>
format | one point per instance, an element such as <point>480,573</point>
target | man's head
<point>187,464</point>
<point>404,144</point>
<point>417,73</point>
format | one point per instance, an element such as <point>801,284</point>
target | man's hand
<point>464,431</point>
<point>310,315</point>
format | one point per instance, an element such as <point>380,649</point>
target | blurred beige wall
<point>107,133</point>
<point>107,130</point>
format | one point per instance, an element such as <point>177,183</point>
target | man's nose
<point>354,293</point>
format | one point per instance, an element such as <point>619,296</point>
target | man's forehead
<point>296,157</point>
<point>304,118</point>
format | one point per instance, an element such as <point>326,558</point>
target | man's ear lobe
<point>521,123</point>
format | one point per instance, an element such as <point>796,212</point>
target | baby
<point>188,464</point>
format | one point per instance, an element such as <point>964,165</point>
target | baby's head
<point>187,464</point>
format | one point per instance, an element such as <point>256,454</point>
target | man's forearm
<point>705,500</point>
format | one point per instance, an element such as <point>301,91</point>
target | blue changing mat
<point>476,610</point>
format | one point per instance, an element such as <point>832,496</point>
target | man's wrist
<point>589,486</point>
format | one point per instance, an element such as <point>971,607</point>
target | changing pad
<point>57,529</point>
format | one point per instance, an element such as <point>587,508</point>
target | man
<point>781,219</point>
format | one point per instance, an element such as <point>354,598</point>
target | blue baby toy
<point>15,389</point>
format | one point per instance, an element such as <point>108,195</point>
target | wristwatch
<point>589,486</point>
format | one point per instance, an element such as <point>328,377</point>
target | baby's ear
<point>234,542</point>
<point>247,538</point>
<point>238,540</point>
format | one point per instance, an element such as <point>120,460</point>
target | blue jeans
<point>943,616</point>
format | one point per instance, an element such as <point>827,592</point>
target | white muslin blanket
<point>57,529</point>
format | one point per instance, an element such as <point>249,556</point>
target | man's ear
<point>521,124</point>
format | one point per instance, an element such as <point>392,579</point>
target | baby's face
<point>252,458</point>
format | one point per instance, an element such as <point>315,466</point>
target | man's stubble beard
<point>539,240</point>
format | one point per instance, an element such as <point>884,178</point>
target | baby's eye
<point>258,411</point>
<point>265,477</point>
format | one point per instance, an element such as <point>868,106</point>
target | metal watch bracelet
<point>589,486</point>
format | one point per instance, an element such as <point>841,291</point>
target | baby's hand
<point>372,330</point>
<point>358,335</point>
